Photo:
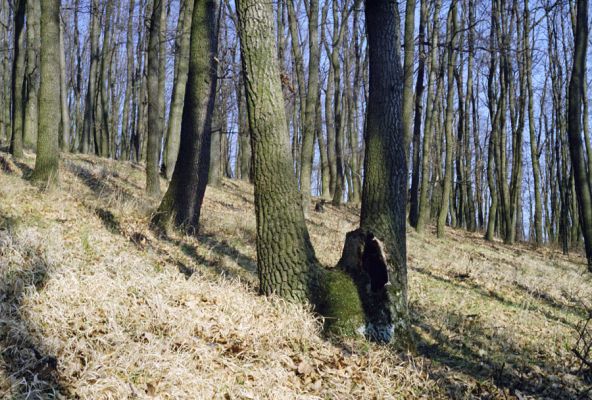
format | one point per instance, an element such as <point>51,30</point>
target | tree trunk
<point>65,120</point>
<point>181,205</point>
<point>447,186</point>
<point>181,65</point>
<point>285,269</point>
<point>18,73</point>
<point>574,126</point>
<point>48,153</point>
<point>384,193</point>
<point>154,103</point>
<point>31,74</point>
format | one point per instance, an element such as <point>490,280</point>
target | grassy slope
<point>96,307</point>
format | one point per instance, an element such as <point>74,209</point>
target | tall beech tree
<point>48,152</point>
<point>17,81</point>
<point>182,201</point>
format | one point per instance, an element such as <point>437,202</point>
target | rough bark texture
<point>48,152</point>
<point>181,65</point>
<point>154,104</point>
<point>408,70</point>
<point>18,70</point>
<point>31,74</point>
<point>285,254</point>
<point>384,192</point>
<point>574,126</point>
<point>181,204</point>
<point>65,120</point>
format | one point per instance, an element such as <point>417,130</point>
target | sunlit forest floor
<point>95,306</point>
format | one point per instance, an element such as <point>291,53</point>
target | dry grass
<point>94,306</point>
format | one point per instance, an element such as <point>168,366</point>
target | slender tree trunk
<point>65,120</point>
<point>181,65</point>
<point>424,206</point>
<point>154,103</point>
<point>447,186</point>
<point>31,74</point>
<point>48,153</point>
<point>18,72</point>
<point>126,118</point>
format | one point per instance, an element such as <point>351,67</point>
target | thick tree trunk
<point>48,153</point>
<point>181,205</point>
<point>285,269</point>
<point>574,123</point>
<point>384,193</point>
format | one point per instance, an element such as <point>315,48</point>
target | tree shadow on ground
<point>489,294</point>
<point>102,184</point>
<point>465,347</point>
<point>29,368</point>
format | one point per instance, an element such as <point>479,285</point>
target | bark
<point>574,126</point>
<point>154,103</point>
<point>408,70</point>
<point>385,185</point>
<point>424,206</point>
<point>89,128</point>
<point>31,74</point>
<point>126,118</point>
<point>181,66</point>
<point>48,153</point>
<point>18,71</point>
<point>181,205</point>
<point>284,269</point>
<point>65,120</point>
<point>447,186</point>
<point>419,88</point>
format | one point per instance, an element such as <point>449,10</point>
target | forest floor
<point>93,305</point>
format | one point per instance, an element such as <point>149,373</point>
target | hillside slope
<point>95,306</point>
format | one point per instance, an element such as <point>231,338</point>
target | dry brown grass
<point>95,306</point>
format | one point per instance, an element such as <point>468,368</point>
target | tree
<point>285,255</point>
<point>47,162</point>
<point>154,104</point>
<point>182,201</point>
<point>180,82</point>
<point>574,126</point>
<point>384,192</point>
<point>18,72</point>
<point>31,74</point>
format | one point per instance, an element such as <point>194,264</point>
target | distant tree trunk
<point>18,72</point>
<point>181,205</point>
<point>31,74</point>
<point>285,269</point>
<point>419,88</point>
<point>104,87</point>
<point>154,104</point>
<point>65,120</point>
<point>181,66</point>
<point>126,117</point>
<point>424,204</point>
<point>574,126</point>
<point>89,128</point>
<point>447,186</point>
<point>48,153</point>
<point>338,31</point>
<point>409,51</point>
<point>385,185</point>
<point>308,133</point>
